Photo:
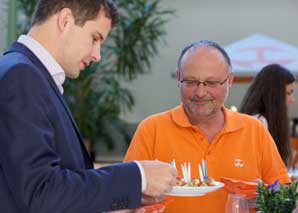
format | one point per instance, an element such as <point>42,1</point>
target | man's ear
<point>178,77</point>
<point>64,19</point>
<point>231,78</point>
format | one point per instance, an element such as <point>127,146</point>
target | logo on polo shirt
<point>238,163</point>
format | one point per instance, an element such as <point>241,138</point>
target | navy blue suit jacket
<point>44,166</point>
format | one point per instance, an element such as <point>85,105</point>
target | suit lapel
<point>18,47</point>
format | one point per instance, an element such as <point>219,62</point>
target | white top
<point>46,59</point>
<point>262,119</point>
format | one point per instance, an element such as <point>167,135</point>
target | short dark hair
<point>83,10</point>
<point>205,43</point>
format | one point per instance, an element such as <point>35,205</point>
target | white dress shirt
<point>46,59</point>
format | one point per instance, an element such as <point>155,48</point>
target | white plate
<point>194,191</point>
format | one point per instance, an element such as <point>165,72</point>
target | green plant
<point>26,8</point>
<point>276,198</point>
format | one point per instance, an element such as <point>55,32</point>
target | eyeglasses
<point>196,83</point>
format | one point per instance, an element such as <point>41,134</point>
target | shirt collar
<point>179,116</point>
<point>46,58</point>
<point>233,122</point>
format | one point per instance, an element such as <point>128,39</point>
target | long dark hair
<point>267,96</point>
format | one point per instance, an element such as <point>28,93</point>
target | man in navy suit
<point>44,166</point>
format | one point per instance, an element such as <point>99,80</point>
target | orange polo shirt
<point>242,150</point>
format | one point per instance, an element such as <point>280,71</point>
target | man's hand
<point>149,205</point>
<point>148,200</point>
<point>139,210</point>
<point>161,177</point>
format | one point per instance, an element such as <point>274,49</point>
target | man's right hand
<point>160,177</point>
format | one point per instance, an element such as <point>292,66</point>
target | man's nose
<point>201,89</point>
<point>96,56</point>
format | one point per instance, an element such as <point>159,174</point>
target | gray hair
<point>204,43</point>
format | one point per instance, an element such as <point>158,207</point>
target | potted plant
<point>276,198</point>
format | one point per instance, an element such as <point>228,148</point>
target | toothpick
<point>200,172</point>
<point>203,165</point>
<point>205,169</point>
<point>189,172</point>
<point>186,171</point>
<point>174,163</point>
<point>183,172</point>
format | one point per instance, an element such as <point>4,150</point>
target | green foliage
<point>134,41</point>
<point>279,199</point>
<point>94,96</point>
<point>27,9</point>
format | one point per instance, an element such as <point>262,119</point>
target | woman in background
<point>268,98</point>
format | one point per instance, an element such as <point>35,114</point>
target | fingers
<point>152,204</point>
<point>140,210</point>
<point>143,210</point>
<point>173,181</point>
<point>161,177</point>
<point>121,211</point>
<point>148,200</point>
<point>162,209</point>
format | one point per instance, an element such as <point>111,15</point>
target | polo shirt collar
<point>233,122</point>
<point>179,116</point>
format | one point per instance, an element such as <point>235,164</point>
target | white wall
<point>222,21</point>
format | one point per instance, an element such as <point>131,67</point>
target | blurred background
<point>136,77</point>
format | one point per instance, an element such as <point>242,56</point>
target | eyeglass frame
<point>209,84</point>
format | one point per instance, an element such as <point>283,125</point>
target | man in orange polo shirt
<point>234,145</point>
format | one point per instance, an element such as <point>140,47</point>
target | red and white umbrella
<point>250,54</point>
